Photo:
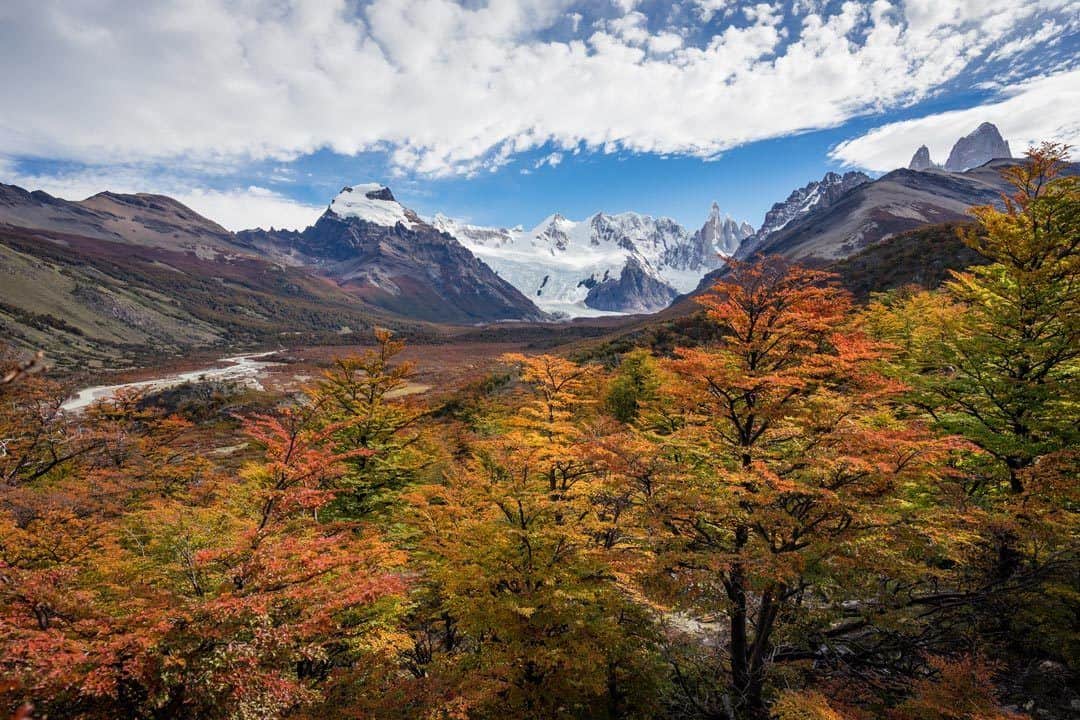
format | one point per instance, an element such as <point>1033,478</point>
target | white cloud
<point>1050,30</point>
<point>708,8</point>
<point>553,160</point>
<point>665,42</point>
<point>451,88</point>
<point>234,208</point>
<point>1033,111</point>
<point>631,28</point>
<point>251,207</point>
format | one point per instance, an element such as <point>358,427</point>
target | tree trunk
<point>747,672</point>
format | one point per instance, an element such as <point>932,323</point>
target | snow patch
<point>358,202</point>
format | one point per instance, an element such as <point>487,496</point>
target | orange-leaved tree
<point>143,582</point>
<point>518,562</point>
<point>782,493</point>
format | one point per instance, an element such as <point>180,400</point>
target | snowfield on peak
<point>370,202</point>
<point>553,264</point>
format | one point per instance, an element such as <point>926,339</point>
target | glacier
<point>562,264</point>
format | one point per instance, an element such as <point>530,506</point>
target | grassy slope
<point>93,301</point>
<point>920,257</point>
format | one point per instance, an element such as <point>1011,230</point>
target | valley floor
<point>438,366</point>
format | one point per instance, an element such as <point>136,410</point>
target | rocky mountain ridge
<point>137,219</point>
<point>977,148</point>
<point>813,196</point>
<point>116,280</point>
<point>897,202</point>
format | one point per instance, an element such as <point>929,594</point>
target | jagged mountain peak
<point>610,262</point>
<point>719,237</point>
<point>718,215</point>
<point>921,160</point>
<point>978,148</point>
<point>553,219</point>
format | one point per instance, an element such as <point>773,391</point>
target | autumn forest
<point>823,509</point>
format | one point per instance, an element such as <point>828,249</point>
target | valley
<point>396,467</point>
<point>122,280</point>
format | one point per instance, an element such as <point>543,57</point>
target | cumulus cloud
<point>234,208</point>
<point>665,42</point>
<point>708,8</point>
<point>245,208</point>
<point>1028,113</point>
<point>448,88</point>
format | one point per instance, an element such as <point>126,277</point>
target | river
<point>237,368</point>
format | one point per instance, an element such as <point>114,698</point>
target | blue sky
<point>256,113</point>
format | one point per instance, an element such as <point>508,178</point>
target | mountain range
<point>875,210</point>
<point>625,262</point>
<point>813,196</point>
<point>115,277</point>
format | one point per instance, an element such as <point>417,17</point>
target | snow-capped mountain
<point>372,246</point>
<point>373,203</point>
<point>625,262</point>
<point>814,195</point>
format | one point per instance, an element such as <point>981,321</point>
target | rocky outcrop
<point>921,160</point>
<point>634,290</point>
<point>978,148</point>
